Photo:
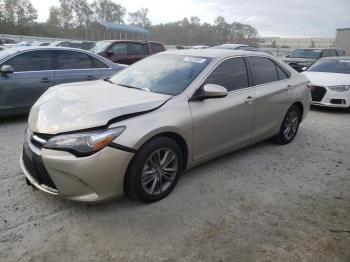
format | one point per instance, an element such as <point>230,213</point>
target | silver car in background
<point>27,72</point>
<point>137,131</point>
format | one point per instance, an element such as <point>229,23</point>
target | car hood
<point>77,106</point>
<point>298,60</point>
<point>327,79</point>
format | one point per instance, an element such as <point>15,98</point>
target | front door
<point>32,76</point>
<point>221,124</point>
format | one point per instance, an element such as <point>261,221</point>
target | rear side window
<point>97,63</point>
<point>281,73</point>
<point>156,48</point>
<point>32,61</point>
<point>263,70</point>
<point>326,53</point>
<point>231,74</point>
<point>333,53</point>
<point>137,49</point>
<point>75,60</point>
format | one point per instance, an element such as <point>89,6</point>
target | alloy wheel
<point>159,171</point>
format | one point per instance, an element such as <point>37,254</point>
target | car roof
<point>315,48</point>
<point>336,58</point>
<point>214,53</point>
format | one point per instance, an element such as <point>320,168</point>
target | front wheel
<point>155,170</point>
<point>289,127</point>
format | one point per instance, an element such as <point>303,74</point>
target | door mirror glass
<point>6,69</point>
<point>214,91</point>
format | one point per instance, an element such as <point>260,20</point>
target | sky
<point>281,18</point>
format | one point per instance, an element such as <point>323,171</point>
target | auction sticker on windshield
<point>194,59</point>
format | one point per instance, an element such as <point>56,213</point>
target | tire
<point>289,127</point>
<point>154,170</point>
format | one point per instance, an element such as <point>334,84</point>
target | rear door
<point>74,66</point>
<point>33,75</point>
<point>137,51</point>
<point>273,91</point>
<point>222,124</point>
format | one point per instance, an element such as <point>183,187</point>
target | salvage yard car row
<point>146,123</point>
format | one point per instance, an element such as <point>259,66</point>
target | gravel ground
<point>263,203</point>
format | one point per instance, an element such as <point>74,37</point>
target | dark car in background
<point>304,57</point>
<point>27,72</point>
<point>74,44</point>
<point>240,47</point>
<point>126,51</point>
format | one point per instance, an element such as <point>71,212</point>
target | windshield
<point>99,47</point>
<point>341,66</point>
<point>6,52</point>
<point>165,74</point>
<point>306,53</point>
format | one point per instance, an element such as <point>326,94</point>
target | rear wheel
<point>155,170</point>
<point>289,127</point>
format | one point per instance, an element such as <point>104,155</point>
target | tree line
<point>72,18</point>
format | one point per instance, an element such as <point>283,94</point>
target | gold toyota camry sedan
<point>138,130</point>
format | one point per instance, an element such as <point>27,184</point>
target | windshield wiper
<point>134,87</point>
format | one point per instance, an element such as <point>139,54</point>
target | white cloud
<point>269,17</point>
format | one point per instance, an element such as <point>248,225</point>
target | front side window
<point>231,74</point>
<point>169,74</point>
<point>326,53</point>
<point>32,61</point>
<point>120,49</point>
<point>73,60</point>
<point>263,70</point>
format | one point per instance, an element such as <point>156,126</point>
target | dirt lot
<point>263,203</point>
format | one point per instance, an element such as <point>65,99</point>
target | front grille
<point>37,171</point>
<point>317,93</point>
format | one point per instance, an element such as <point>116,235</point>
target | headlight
<point>341,88</point>
<point>83,144</point>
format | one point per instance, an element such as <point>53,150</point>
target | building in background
<point>293,43</point>
<point>342,39</point>
<point>108,30</point>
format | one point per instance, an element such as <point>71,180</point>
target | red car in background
<point>126,51</point>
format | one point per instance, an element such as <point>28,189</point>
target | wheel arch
<point>172,135</point>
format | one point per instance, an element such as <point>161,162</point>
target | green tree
<point>140,18</point>
<point>54,17</point>
<point>108,11</point>
<point>83,12</point>
<point>66,13</point>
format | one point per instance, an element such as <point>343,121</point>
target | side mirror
<point>210,91</point>
<point>304,68</point>
<point>6,69</point>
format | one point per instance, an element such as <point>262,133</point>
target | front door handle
<point>45,80</point>
<point>249,100</point>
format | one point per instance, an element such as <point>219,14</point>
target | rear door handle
<point>45,80</point>
<point>90,77</point>
<point>249,100</point>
